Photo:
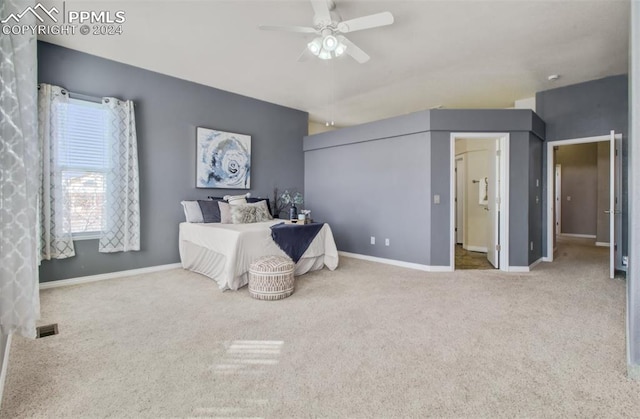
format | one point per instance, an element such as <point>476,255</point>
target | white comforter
<point>224,252</point>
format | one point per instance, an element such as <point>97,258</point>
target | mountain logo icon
<point>38,11</point>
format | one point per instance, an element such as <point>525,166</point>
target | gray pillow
<point>250,213</point>
<point>210,211</point>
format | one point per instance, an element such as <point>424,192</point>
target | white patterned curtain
<point>56,241</point>
<point>121,232</point>
<point>19,300</point>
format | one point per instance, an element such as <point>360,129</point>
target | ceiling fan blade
<point>322,13</point>
<point>366,22</point>
<point>305,55</point>
<point>298,29</point>
<point>353,50</point>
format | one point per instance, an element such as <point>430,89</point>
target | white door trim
<point>462,227</point>
<point>550,180</point>
<point>612,205</point>
<point>558,198</point>
<point>504,193</point>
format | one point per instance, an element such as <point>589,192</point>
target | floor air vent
<point>48,330</point>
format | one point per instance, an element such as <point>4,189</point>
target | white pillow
<point>237,199</point>
<point>192,212</point>
<point>225,212</point>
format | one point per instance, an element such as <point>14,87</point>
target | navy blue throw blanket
<point>294,239</point>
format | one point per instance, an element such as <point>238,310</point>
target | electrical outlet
<point>373,240</point>
<point>436,199</point>
<point>568,198</point>
<point>386,242</point>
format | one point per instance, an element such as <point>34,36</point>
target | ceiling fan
<point>329,29</point>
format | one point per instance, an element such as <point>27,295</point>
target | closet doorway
<point>479,181</point>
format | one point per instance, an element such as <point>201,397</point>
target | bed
<point>223,252</point>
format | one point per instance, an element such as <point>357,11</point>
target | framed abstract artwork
<point>223,159</point>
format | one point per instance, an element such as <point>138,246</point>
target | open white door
<point>615,218</point>
<point>460,176</point>
<point>493,207</point>
<point>558,201</point>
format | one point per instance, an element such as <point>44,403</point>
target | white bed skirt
<point>224,253</point>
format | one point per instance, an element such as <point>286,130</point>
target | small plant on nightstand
<point>288,200</point>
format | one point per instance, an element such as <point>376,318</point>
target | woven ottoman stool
<point>271,278</point>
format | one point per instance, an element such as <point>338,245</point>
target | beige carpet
<point>367,340</point>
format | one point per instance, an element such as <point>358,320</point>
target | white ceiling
<point>458,54</point>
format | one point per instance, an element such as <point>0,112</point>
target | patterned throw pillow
<point>250,213</point>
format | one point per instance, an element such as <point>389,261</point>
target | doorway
<point>479,201</point>
<point>584,196</point>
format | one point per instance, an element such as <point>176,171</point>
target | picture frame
<point>223,159</point>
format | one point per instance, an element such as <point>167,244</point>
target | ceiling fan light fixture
<point>324,55</point>
<point>330,43</point>
<point>315,46</point>
<point>341,48</point>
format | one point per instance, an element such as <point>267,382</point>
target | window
<point>83,163</point>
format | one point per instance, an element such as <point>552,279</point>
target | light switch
<point>436,199</point>
<point>568,198</point>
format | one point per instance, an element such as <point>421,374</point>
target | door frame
<point>558,198</point>
<point>503,207</point>
<point>460,163</point>
<point>551,179</point>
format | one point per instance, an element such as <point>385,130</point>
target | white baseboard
<point>519,269</point>
<point>410,265</point>
<point>477,249</point>
<point>547,259</point>
<point>533,265</point>
<point>581,236</point>
<point>110,275</point>
<point>5,345</point>
<point>525,268</point>
<point>603,244</point>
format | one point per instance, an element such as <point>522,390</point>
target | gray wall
<point>439,167</point>
<point>358,167</point>
<point>375,188</point>
<point>586,110</point>
<point>579,188</point>
<point>168,110</point>
<point>519,199</point>
<point>535,198</point>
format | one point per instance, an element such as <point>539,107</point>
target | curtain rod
<point>82,96</point>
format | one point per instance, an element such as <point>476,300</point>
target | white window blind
<point>83,161</point>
